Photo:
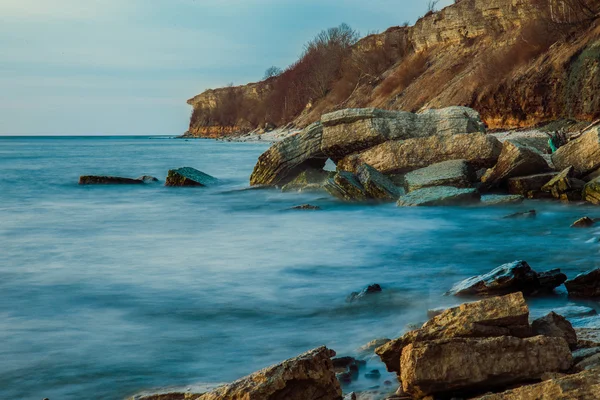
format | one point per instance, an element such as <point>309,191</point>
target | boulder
<point>582,153</point>
<point>529,186</point>
<point>369,290</point>
<point>353,130</point>
<point>457,173</point>
<point>187,176</point>
<point>286,159</point>
<point>496,316</point>
<point>308,180</point>
<point>585,222</point>
<point>345,187</point>
<point>591,191</point>
<point>309,376</point>
<point>471,364</point>
<point>592,362</point>
<point>585,285</point>
<point>564,186</point>
<point>516,276</point>
<point>583,386</point>
<point>501,199</point>
<point>107,180</point>
<point>376,185</point>
<point>400,156</point>
<point>581,354</point>
<point>439,196</point>
<point>514,160</point>
<point>554,325</point>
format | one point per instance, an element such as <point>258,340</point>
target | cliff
<point>517,62</point>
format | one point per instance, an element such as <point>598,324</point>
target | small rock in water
<point>585,285</point>
<point>371,289</point>
<point>585,222</point>
<point>147,179</point>
<point>374,374</point>
<point>187,176</point>
<point>342,362</point>
<point>523,214</point>
<point>107,180</point>
<point>305,207</point>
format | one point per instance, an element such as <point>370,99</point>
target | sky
<point>127,67</point>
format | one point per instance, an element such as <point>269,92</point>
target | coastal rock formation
<point>376,185</point>
<point>591,191</point>
<point>309,376</point>
<point>346,187</point>
<point>187,176</point>
<point>308,180</point>
<point>512,277</point>
<point>395,156</point>
<point>529,186</point>
<point>457,173</point>
<point>514,160</point>
<point>585,285</point>
<point>451,365</point>
<point>554,325</point>
<point>583,154</point>
<point>439,196</point>
<point>497,316</point>
<point>565,186</point>
<point>107,180</point>
<point>583,386</point>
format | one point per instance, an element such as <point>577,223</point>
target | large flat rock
<point>439,196</point>
<point>457,173</point>
<point>530,185</point>
<point>107,180</point>
<point>188,176</point>
<point>515,160</point>
<point>582,153</point>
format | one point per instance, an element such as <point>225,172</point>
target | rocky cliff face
<point>517,62</point>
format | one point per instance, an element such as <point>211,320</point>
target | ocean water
<point>106,291</point>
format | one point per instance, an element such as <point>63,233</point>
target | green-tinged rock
<point>455,173</point>
<point>591,191</point>
<point>187,176</point>
<point>346,187</point>
<point>499,199</point>
<point>376,185</point>
<point>439,196</point>
<point>308,181</point>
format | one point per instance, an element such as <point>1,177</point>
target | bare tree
<point>431,6</point>
<point>272,72</point>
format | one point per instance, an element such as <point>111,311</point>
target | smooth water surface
<point>109,290</point>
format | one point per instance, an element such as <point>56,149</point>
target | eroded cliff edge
<point>517,62</point>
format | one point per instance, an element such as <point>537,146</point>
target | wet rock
<point>306,207</point>
<point>585,285</point>
<point>496,316</point>
<point>310,180</point>
<point>439,196</point>
<point>309,376</point>
<point>376,185</point>
<point>564,187</point>
<point>187,176</point>
<point>583,386</point>
<point>591,362</point>
<point>515,160</point>
<point>369,290</point>
<point>286,159</point>
<point>374,374</point>
<point>147,179</point>
<point>582,153</point>
<point>522,214</point>
<point>501,199</point>
<point>591,191</point>
<point>585,222</point>
<point>434,312</point>
<point>455,173</point>
<point>529,186</point>
<point>107,180</point>
<point>342,363</point>
<point>346,187</point>
<point>581,354</point>
<point>516,276</point>
<point>395,157</point>
<point>554,325</point>
<point>451,365</point>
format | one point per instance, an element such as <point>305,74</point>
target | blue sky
<point>119,67</point>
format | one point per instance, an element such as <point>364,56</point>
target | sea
<point>109,291</point>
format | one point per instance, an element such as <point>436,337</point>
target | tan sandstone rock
<point>582,153</point>
<point>449,365</point>
<point>515,160</point>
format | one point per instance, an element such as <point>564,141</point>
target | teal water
<point>109,290</point>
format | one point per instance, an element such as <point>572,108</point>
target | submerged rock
<point>452,365</point>
<point>583,386</point>
<point>147,179</point>
<point>529,186</point>
<point>554,325</point>
<point>306,207</point>
<point>188,176</point>
<point>376,185</point>
<point>394,157</point>
<point>513,277</point>
<point>583,153</point>
<point>500,199</point>
<point>591,191</point>
<point>309,376</point>
<point>585,285</point>
<point>497,316</point>
<point>369,290</point>
<point>439,196</point>
<point>346,187</point>
<point>107,180</point>
<point>514,160</point>
<point>308,180</point>
<point>585,222</point>
<point>455,173</point>
<point>522,214</point>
